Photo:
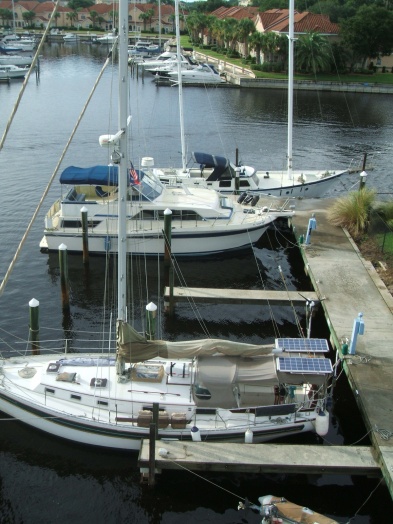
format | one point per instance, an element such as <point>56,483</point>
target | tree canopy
<point>76,4</point>
<point>369,32</point>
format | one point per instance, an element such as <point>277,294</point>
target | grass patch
<point>385,242</point>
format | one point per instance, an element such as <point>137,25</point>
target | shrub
<point>385,210</point>
<point>353,211</point>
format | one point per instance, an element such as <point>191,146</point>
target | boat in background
<point>108,38</point>
<point>219,173</point>
<point>203,74</point>
<point>145,48</point>
<point>17,60</point>
<point>163,72</point>
<point>278,510</point>
<point>301,182</point>
<point>12,71</point>
<point>70,37</point>
<point>167,58</point>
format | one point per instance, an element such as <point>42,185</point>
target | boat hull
<point>302,185</point>
<point>203,242</point>
<point>120,437</point>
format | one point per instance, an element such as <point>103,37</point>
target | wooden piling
<point>152,455</point>
<point>85,236</point>
<point>151,311</point>
<point>63,262</point>
<point>34,326</point>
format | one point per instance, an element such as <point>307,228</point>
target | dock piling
<point>85,236</point>
<point>34,327</point>
<point>63,262</point>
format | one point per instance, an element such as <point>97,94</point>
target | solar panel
<point>301,345</point>
<point>304,365</point>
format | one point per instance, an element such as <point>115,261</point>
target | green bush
<point>353,211</point>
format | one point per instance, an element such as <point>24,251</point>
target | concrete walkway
<point>349,285</point>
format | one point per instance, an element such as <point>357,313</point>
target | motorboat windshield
<point>149,186</point>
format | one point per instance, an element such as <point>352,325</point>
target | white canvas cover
<point>133,347</point>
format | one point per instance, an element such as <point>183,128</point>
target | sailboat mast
<point>13,17</point>
<point>182,138</point>
<point>159,24</point>
<point>123,166</point>
<point>290,85</point>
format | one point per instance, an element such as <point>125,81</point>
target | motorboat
<point>70,37</point>
<point>10,45</point>
<point>108,38</point>
<point>17,60</point>
<point>163,72</point>
<point>144,47</point>
<point>164,59</point>
<point>278,510</point>
<point>204,222</point>
<point>12,71</point>
<point>204,74</point>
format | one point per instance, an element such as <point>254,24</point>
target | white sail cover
<point>133,347</point>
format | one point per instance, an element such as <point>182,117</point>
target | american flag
<point>134,178</point>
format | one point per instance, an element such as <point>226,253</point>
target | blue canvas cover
<point>210,160</point>
<point>220,164</point>
<point>95,176</point>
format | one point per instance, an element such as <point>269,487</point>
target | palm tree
<point>218,31</point>
<point>6,15</point>
<point>28,17</point>
<point>257,41</point>
<point>114,14</point>
<point>196,24</point>
<point>73,15</point>
<point>94,17</point>
<point>147,15</point>
<point>245,28</point>
<point>312,52</point>
<point>230,32</point>
<point>56,17</point>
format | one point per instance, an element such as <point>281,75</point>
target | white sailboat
<point>221,174</point>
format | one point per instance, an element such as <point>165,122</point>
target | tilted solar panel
<point>304,365</point>
<point>301,345</point>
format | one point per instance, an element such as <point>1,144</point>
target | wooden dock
<point>347,285</point>
<point>260,458</point>
<point>240,296</point>
<point>351,285</point>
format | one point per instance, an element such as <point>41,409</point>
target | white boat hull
<point>69,409</point>
<point>15,60</point>
<point>186,243</point>
<point>305,184</point>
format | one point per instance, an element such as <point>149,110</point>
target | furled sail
<point>133,347</point>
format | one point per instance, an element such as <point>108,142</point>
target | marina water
<point>46,480</point>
